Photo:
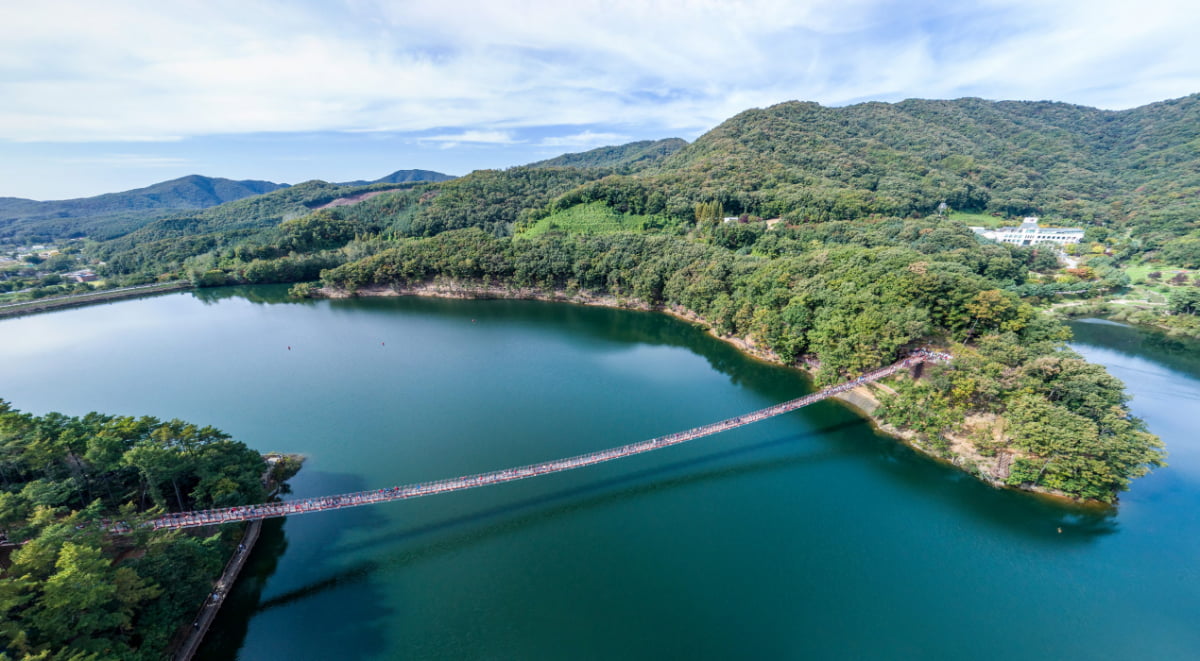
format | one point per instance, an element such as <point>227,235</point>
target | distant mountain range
<point>190,192</point>
<point>114,214</point>
<point>1131,173</point>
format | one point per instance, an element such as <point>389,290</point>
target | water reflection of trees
<point>1182,354</point>
<point>618,328</point>
<point>615,328</point>
<point>1028,515</point>
<point>261,294</point>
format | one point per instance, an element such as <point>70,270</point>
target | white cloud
<point>130,69</point>
<point>584,139</point>
<point>472,137</point>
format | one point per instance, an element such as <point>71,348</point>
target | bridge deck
<point>340,501</point>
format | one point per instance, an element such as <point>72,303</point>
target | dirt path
<point>352,199</point>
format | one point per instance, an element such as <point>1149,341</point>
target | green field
<point>978,219</point>
<point>592,218</point>
<point>1137,272</point>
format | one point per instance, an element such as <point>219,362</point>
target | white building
<point>1030,234</point>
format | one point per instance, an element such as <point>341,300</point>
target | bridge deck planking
<point>358,499</point>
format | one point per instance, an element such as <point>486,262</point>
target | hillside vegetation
<point>627,158</point>
<point>403,177</point>
<point>75,590</point>
<point>1135,171</point>
<point>163,244</point>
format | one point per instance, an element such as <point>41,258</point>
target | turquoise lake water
<point>803,537</point>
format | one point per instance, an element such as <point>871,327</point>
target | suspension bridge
<point>341,501</point>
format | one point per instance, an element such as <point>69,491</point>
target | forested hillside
<point>1131,177</point>
<point>626,158</point>
<point>163,244</point>
<point>1134,171</point>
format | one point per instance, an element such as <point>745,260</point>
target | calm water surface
<point>804,537</point>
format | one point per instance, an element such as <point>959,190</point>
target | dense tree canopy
<point>76,591</point>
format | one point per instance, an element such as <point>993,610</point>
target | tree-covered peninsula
<point>1016,407</point>
<point>70,587</point>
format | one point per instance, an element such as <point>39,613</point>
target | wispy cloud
<point>584,139</point>
<point>134,69</point>
<point>449,140</point>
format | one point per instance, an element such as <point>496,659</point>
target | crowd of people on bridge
<point>303,505</point>
<point>928,354</point>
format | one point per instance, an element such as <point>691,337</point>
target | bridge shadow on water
<point>466,530</point>
<point>1013,513</point>
<point>360,601</point>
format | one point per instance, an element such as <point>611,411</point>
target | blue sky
<point>104,96</point>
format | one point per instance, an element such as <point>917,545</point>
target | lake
<point>806,536</point>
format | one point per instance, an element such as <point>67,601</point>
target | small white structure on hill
<point>1031,234</point>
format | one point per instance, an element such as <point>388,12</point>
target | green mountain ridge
<point>809,162</point>
<point>403,177</point>
<point>629,157</point>
<point>1132,176</point>
<point>112,215</point>
<point>1130,173</point>
<point>193,190</point>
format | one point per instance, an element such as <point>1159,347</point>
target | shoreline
<point>861,399</point>
<point>1119,312</point>
<point>237,560</point>
<point>213,602</point>
<point>89,298</point>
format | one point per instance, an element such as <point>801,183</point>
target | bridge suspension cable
<point>356,499</point>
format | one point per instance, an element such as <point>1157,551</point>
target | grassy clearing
<point>1137,273</point>
<point>592,218</point>
<point>978,219</point>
